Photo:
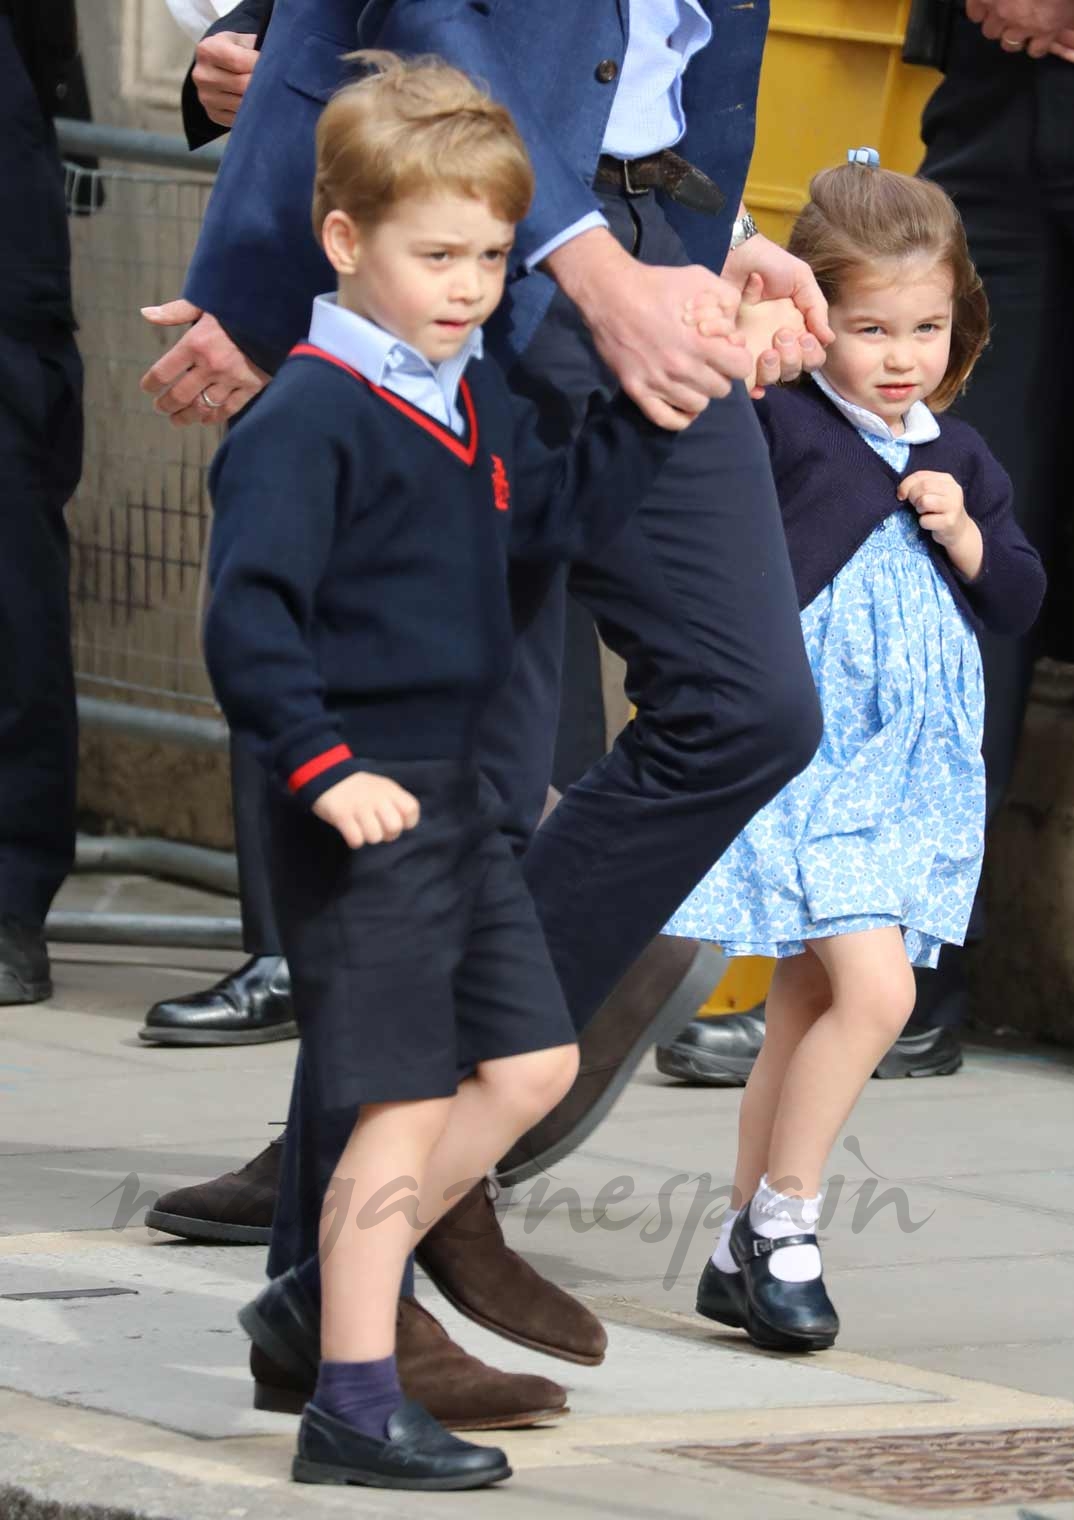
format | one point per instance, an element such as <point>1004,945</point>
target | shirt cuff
<point>585,224</point>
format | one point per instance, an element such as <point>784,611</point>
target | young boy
<point>365,512</point>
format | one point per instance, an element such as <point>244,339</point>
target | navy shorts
<point>417,959</point>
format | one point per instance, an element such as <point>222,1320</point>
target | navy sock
<point>362,1394</point>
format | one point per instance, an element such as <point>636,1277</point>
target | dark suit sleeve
<point>461,32</point>
<point>568,500</point>
<point>248,17</point>
<point>1008,592</point>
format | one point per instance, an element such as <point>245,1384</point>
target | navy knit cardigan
<point>834,490</point>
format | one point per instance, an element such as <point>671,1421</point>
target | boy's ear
<point>341,241</point>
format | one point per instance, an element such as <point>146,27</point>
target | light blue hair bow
<point>868,157</point>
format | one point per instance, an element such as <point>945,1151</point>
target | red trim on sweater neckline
<point>467,452</point>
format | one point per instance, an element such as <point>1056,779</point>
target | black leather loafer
<point>25,976</point>
<point>417,1452</point>
<point>715,1052</point>
<point>720,1051</point>
<point>922,1053</point>
<point>284,1325</point>
<point>781,1316</point>
<point>248,1007</point>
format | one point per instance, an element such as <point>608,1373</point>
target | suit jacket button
<point>607,70</point>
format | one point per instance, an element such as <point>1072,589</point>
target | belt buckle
<point>630,188</point>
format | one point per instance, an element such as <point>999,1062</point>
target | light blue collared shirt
<point>389,362</point>
<point>647,111</point>
<point>919,424</point>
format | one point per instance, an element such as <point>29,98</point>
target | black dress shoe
<point>285,1325</point>
<point>417,1452</point>
<point>248,1007</point>
<point>781,1316</point>
<point>722,1297</point>
<point>24,967</point>
<point>720,1051</point>
<point>236,1207</point>
<point>715,1052</point>
<point>922,1053</point>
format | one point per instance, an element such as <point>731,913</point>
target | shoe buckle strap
<point>762,1246</point>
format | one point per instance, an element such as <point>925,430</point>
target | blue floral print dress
<point>886,824</point>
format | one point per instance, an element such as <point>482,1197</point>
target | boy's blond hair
<point>412,126</point>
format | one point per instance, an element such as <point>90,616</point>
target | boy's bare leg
<point>492,1109</point>
<point>390,1141</point>
<point>428,1149</point>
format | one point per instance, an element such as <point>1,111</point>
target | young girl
<point>903,545</point>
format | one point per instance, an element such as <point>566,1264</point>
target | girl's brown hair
<point>414,126</point>
<point>857,216</point>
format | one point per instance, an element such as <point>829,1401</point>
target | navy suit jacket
<point>257,265</point>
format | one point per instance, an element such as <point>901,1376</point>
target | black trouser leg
<point>249,801</point>
<point>40,462</point>
<point>1000,140</point>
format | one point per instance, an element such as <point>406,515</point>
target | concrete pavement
<point>949,1247</point>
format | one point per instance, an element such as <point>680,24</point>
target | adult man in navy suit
<point>696,595</point>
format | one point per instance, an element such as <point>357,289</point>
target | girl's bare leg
<point>872,996</point>
<point>798,995</point>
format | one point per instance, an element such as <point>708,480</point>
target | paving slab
<point>949,1246</point>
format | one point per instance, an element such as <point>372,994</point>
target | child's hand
<point>774,332</point>
<point>367,809</point>
<point>941,510</point>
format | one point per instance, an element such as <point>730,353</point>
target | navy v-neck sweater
<point>834,490</point>
<point>359,558</point>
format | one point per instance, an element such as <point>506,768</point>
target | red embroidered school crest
<point>501,489</point>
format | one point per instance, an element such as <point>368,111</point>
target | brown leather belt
<point>664,171</point>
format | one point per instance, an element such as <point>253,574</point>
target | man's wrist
<point>579,265</point>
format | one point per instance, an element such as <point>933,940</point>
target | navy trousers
<point>696,595</point>
<point>40,460</point>
<point>999,133</point>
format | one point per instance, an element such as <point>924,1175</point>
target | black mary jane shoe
<point>721,1296</point>
<point>781,1316</point>
<point>417,1452</point>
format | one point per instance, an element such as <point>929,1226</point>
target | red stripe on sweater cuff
<point>314,768</point>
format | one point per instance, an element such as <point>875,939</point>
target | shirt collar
<point>376,353</point>
<point>919,424</point>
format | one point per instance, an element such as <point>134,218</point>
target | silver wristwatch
<point>744,228</point>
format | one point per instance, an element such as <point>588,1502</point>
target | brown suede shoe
<point>475,1269</point>
<point>671,978</point>
<point>456,1388</point>
<point>236,1207</point>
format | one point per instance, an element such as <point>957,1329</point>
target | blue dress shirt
<point>647,113</point>
<point>389,362</point>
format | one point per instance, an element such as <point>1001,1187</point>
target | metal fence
<point>139,521</point>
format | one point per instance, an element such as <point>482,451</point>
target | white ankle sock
<point>721,1257</point>
<point>776,1215</point>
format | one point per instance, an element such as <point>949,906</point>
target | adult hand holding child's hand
<point>780,346</point>
<point>368,809</point>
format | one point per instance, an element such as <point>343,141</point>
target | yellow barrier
<point>833,79</point>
